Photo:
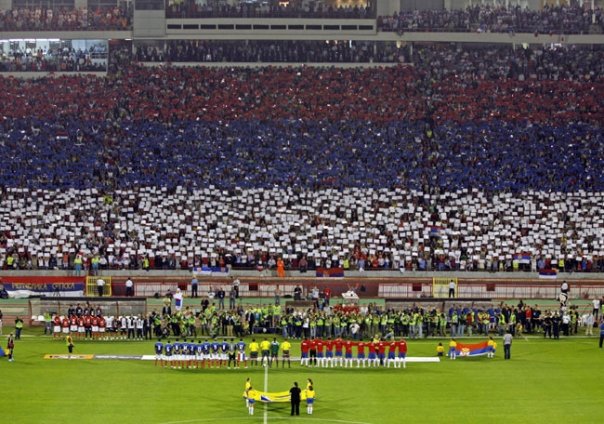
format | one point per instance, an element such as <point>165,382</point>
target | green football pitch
<point>546,381</point>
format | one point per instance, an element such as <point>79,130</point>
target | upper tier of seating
<point>486,18</point>
<point>192,9</point>
<point>478,18</point>
<point>65,19</point>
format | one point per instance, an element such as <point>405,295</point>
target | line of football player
<point>314,352</point>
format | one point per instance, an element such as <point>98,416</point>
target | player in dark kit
<point>159,353</point>
<point>232,353</point>
<point>241,357</point>
<point>168,354</point>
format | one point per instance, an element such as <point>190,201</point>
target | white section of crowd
<point>468,226</point>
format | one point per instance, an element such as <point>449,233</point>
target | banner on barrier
<point>24,287</point>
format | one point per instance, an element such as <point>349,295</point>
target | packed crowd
<point>293,9</point>
<point>85,322</point>
<point>486,18</point>
<point>63,19</point>
<point>330,167</point>
<point>433,63</point>
<point>437,62</point>
<point>61,60</point>
<point>295,51</point>
<point>364,229</point>
<point>229,94</point>
<point>441,62</point>
<point>323,322</point>
<point>480,18</point>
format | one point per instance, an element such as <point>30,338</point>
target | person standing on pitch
<point>247,386</point>
<point>10,347</point>
<point>129,287</point>
<point>285,348</point>
<point>452,349</point>
<point>507,345</point>
<point>18,328</point>
<point>601,332</point>
<point>250,400</point>
<point>69,342</point>
<point>194,286</point>
<point>295,399</point>
<point>100,286</point>
<point>451,288</point>
<point>310,399</point>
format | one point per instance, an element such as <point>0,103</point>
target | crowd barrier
<point>264,287</point>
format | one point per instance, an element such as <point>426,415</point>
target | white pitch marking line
<point>265,391</point>
<point>205,420</point>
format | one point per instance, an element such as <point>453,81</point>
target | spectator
<point>129,287</point>
<point>571,19</point>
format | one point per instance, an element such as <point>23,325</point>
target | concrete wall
<point>274,64</point>
<point>462,4</point>
<point>68,35</point>
<point>149,23</point>
<point>388,7</point>
<point>270,275</point>
<point>422,4</point>
<point>109,307</point>
<point>443,37</point>
<point>35,75</point>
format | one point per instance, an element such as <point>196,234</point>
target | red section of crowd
<point>390,94</point>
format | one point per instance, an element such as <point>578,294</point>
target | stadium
<point>397,205</point>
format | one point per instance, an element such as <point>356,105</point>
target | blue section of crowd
<point>495,156</point>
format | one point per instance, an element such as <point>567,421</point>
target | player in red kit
<point>102,327</point>
<point>312,353</point>
<point>81,328</point>
<point>329,344</point>
<point>373,359</point>
<point>391,353</point>
<point>320,344</point>
<point>361,353</point>
<point>73,324</point>
<point>338,344</point>
<point>402,354</point>
<point>88,326</point>
<point>65,326</point>
<point>381,351</point>
<point>56,326</point>
<point>348,345</point>
<point>304,349</point>
<point>94,321</point>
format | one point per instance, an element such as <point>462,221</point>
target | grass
<point>546,381</point>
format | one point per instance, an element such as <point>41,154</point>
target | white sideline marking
<point>266,390</point>
<point>423,359</point>
<point>409,359</point>
<point>205,420</point>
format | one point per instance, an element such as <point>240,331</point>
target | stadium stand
<point>293,51</point>
<point>252,9</point>
<point>65,19</point>
<point>460,157</point>
<point>489,18</point>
